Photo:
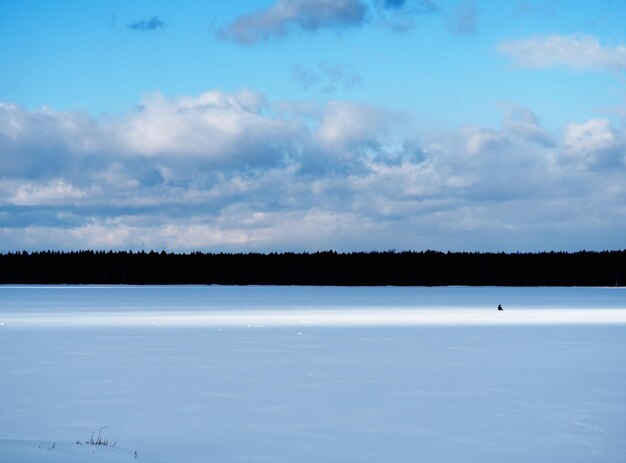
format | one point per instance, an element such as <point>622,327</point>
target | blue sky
<point>313,124</point>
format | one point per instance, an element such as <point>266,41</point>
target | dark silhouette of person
<point>500,307</point>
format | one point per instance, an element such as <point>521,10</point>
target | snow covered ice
<point>305,374</point>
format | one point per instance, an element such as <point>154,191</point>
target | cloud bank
<point>236,172</point>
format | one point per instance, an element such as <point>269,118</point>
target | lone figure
<point>500,307</point>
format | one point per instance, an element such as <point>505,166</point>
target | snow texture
<point>16,451</point>
<point>303,374</point>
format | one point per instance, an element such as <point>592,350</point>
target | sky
<point>307,125</point>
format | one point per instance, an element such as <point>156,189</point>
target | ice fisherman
<point>500,307</point>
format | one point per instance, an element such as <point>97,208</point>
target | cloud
<point>542,8</point>
<point>523,123</point>
<point>328,76</point>
<point>285,16</point>
<point>394,3</point>
<point>151,24</point>
<point>401,15</point>
<point>576,52</point>
<point>337,74</point>
<point>236,172</point>
<point>345,124</point>
<point>213,127</point>
<point>304,76</point>
<point>480,140</point>
<point>411,6</point>
<point>595,143</point>
<point>463,20</point>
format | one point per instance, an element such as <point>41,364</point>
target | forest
<point>327,268</point>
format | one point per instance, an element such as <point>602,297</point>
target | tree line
<point>327,268</point>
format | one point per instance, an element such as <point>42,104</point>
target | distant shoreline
<point>327,268</point>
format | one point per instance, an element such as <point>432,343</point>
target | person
<point>500,307</point>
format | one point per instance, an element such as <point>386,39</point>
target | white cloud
<point>523,123</point>
<point>594,142</point>
<point>578,52</point>
<point>479,140</point>
<point>591,136</point>
<point>212,126</point>
<point>49,193</point>
<point>223,171</point>
<point>345,123</point>
<point>75,131</point>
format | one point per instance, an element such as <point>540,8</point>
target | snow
<point>337,317</point>
<point>286,374</point>
<point>16,451</point>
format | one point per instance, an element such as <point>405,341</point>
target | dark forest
<point>328,268</point>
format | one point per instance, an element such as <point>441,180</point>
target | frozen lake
<point>306,374</point>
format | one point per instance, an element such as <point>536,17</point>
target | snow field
<point>198,392</point>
